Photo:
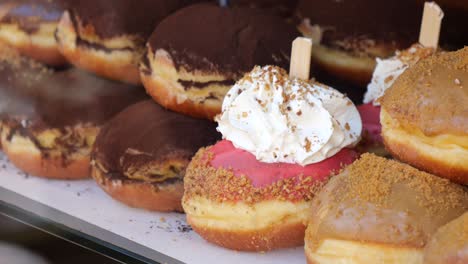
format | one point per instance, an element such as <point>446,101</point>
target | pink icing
<point>263,174</point>
<point>371,127</point>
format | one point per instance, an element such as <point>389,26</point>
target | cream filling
<point>332,251</point>
<point>14,35</point>
<point>450,149</point>
<point>116,42</point>
<point>242,216</point>
<point>67,38</point>
<point>163,70</point>
<point>20,144</point>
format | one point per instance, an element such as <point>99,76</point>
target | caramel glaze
<point>145,134</point>
<point>432,96</point>
<point>228,41</point>
<point>382,201</point>
<point>450,244</point>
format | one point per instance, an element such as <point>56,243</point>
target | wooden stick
<point>430,25</point>
<point>301,56</point>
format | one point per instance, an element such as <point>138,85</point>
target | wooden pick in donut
<point>431,24</point>
<point>301,55</point>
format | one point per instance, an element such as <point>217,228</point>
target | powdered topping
<point>427,97</point>
<point>388,70</point>
<point>279,119</point>
<point>375,180</point>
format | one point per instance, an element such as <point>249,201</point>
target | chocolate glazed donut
<point>107,37</point>
<point>189,70</point>
<point>140,156</point>
<point>29,26</point>
<point>50,119</point>
<point>349,35</point>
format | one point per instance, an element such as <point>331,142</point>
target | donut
<point>234,201</point>
<point>29,27</point>
<point>140,156</point>
<point>189,70</point>
<point>252,191</point>
<point>449,244</point>
<point>50,119</point>
<point>283,8</point>
<point>349,35</point>
<point>423,116</point>
<point>380,211</point>
<point>107,37</point>
<point>385,74</point>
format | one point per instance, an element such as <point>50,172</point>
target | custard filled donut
<point>140,156</point>
<point>107,37</point>
<point>29,27</point>
<point>449,245</point>
<point>283,138</point>
<point>424,116</point>
<point>189,70</point>
<point>50,119</point>
<point>385,74</point>
<point>349,35</point>
<point>380,211</point>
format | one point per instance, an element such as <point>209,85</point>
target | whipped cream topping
<point>388,70</point>
<point>279,119</point>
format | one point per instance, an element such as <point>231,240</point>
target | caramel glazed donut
<point>50,119</point>
<point>29,26</point>
<point>424,116</point>
<point>189,70</point>
<point>140,156</point>
<point>380,211</point>
<point>450,244</point>
<point>349,35</point>
<point>107,37</point>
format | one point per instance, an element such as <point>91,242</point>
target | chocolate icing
<point>230,41</point>
<point>201,85</point>
<point>46,99</point>
<point>110,18</point>
<point>152,134</point>
<point>279,7</point>
<point>389,21</point>
<point>28,14</point>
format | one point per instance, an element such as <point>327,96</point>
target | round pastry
<point>107,37</point>
<point>449,245</point>
<point>50,119</point>
<point>424,116</point>
<point>282,139</point>
<point>349,35</point>
<point>29,26</point>
<point>385,74</point>
<point>380,211</point>
<point>140,156</point>
<point>189,70</point>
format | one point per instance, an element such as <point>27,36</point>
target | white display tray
<point>84,207</point>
